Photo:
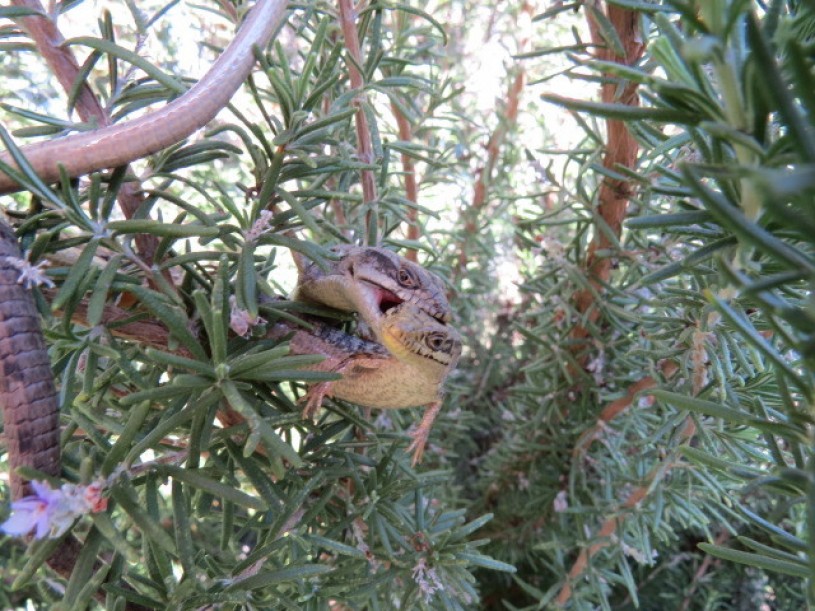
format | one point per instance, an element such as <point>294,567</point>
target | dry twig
<point>506,123</point>
<point>365,149</point>
<point>621,150</point>
<point>411,186</point>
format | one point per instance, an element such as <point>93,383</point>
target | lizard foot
<point>313,399</point>
<point>422,432</point>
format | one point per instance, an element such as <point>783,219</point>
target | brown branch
<point>496,140</point>
<point>365,149</point>
<point>141,332</point>
<point>62,63</point>
<point>621,150</point>
<point>617,407</point>
<point>611,411</point>
<point>605,533</point>
<point>120,323</point>
<point>607,530</point>
<point>336,206</point>
<point>411,187</point>
<point>700,572</point>
<point>610,526</point>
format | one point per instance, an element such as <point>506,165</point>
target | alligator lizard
<point>370,281</point>
<point>408,369</point>
<point>406,308</point>
<point>27,393</point>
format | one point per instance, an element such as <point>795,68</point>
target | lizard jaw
<point>376,301</point>
<point>387,299</point>
<point>388,280</point>
<point>379,298</point>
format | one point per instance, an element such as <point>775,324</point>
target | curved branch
<point>119,144</point>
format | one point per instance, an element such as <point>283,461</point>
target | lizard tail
<point>27,392</point>
<point>28,395</point>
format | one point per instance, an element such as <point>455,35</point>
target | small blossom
<point>33,512</point>
<point>30,275</point>
<point>427,579</point>
<point>92,496</point>
<point>561,503</point>
<point>82,362</point>
<point>455,413</point>
<point>551,247</point>
<point>383,421</point>
<point>646,401</point>
<point>597,367</point>
<point>638,555</point>
<point>240,321</point>
<point>507,416</point>
<point>259,227</point>
<point>50,512</point>
<point>359,537</point>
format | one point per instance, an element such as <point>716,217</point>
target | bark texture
<point>27,391</point>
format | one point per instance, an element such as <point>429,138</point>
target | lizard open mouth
<point>384,299</point>
<point>388,301</point>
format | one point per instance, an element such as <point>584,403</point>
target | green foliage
<point>710,298</point>
<point>694,492</point>
<point>272,511</point>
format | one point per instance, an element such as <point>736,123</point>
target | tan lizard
<point>370,281</point>
<point>408,369</point>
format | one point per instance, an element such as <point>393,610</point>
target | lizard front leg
<point>346,355</point>
<point>422,432</point>
<point>408,369</point>
<point>314,396</point>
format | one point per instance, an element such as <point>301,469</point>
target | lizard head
<point>387,280</point>
<point>420,340</point>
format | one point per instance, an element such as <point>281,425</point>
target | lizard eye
<point>438,343</point>
<point>406,278</point>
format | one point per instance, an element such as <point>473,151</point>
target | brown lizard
<point>28,396</point>
<point>408,369</point>
<point>370,281</point>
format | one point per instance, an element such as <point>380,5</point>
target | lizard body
<point>408,369</point>
<point>371,281</point>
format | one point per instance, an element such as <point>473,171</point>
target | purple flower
<point>51,512</point>
<point>427,579</point>
<point>35,511</point>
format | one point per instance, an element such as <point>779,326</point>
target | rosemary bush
<point>629,427</point>
<point>662,459</point>
<point>156,329</point>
